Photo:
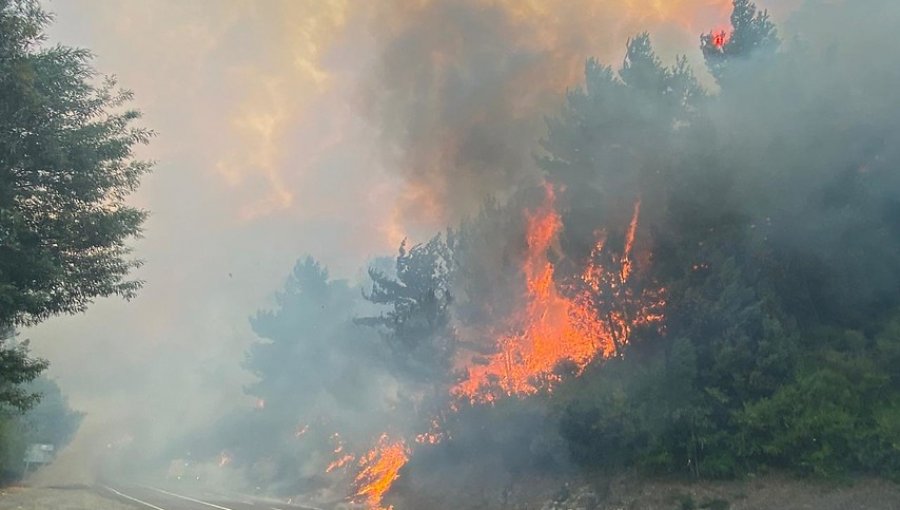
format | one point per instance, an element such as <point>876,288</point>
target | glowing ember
<point>553,328</point>
<point>434,435</point>
<point>341,459</point>
<point>379,468</point>
<point>339,462</point>
<point>720,39</point>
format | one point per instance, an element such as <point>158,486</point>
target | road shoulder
<point>72,497</point>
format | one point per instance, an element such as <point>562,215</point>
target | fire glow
<point>553,328</point>
<point>574,324</point>
<point>720,39</point>
<point>378,470</point>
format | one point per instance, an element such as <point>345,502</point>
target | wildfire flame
<point>629,242</point>
<point>720,39</point>
<point>341,458</point>
<point>610,293</point>
<point>553,327</point>
<point>592,319</point>
<point>379,469</point>
<point>339,462</point>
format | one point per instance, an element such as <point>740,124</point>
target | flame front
<point>574,324</point>
<point>379,469</point>
<point>552,327</point>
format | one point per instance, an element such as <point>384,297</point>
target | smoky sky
<point>330,128</point>
<point>458,90</point>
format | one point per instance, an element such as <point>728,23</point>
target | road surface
<point>145,497</point>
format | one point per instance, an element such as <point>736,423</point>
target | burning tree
<point>752,34</point>
<point>555,326</point>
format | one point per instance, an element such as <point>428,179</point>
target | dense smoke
<point>277,138</point>
<point>459,89</point>
<point>361,125</point>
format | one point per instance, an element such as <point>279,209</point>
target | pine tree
<point>416,325</point>
<point>752,34</point>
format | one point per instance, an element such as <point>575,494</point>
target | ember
<point>720,39</point>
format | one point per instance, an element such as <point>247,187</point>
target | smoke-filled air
<point>449,254</point>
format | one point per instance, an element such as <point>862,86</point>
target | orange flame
<point>339,459</point>
<point>629,242</point>
<point>339,463</point>
<point>380,468</point>
<point>554,328</point>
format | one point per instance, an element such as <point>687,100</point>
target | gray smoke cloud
<point>334,129</point>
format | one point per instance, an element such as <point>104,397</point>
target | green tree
<point>17,368</point>
<point>610,145</point>
<point>644,133</point>
<point>301,341</point>
<point>66,168</point>
<point>51,420</point>
<point>18,395</point>
<point>315,376</point>
<point>752,34</point>
<point>416,324</point>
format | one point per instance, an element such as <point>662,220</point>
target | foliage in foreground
<point>67,167</point>
<point>49,421</point>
